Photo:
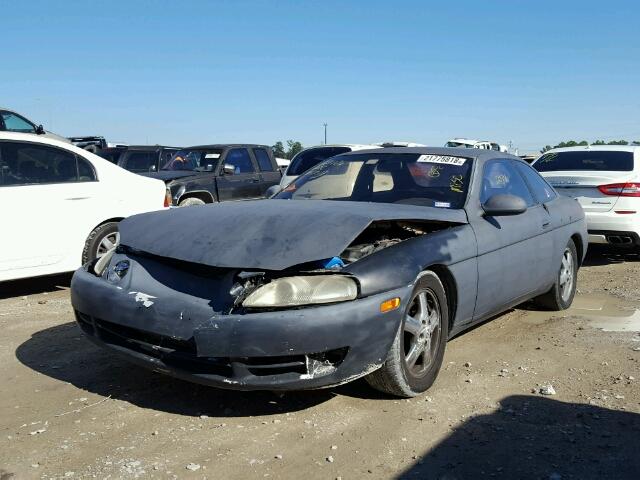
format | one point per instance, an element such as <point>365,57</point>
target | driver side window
<point>501,177</point>
<point>241,161</point>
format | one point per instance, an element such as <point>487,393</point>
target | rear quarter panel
<point>567,220</point>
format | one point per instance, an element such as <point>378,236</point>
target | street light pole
<point>325,133</point>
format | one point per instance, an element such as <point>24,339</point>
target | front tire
<point>561,295</point>
<point>414,360</point>
<point>190,202</point>
<point>100,240</point>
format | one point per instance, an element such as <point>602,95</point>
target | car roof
<point>353,146</point>
<point>227,145</point>
<point>30,137</point>
<point>150,147</point>
<point>475,153</point>
<point>601,148</point>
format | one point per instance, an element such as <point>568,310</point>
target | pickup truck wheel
<point>414,360</point>
<point>560,297</point>
<point>100,240</point>
<point>190,202</point>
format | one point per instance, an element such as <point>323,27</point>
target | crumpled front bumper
<point>173,332</point>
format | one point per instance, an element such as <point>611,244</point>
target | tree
<point>584,143</point>
<point>278,150</point>
<point>570,143</point>
<point>294,147</point>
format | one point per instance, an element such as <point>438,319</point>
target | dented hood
<point>265,234</point>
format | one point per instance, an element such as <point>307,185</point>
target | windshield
<point>598,160</point>
<point>311,157</point>
<point>194,160</point>
<point>428,180</point>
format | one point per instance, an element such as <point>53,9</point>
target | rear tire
<point>190,202</point>
<point>101,239</point>
<point>414,360</point>
<point>560,297</point>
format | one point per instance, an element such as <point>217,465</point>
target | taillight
<point>630,189</point>
<point>167,198</point>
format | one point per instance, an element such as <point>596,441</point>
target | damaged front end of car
<point>307,325</point>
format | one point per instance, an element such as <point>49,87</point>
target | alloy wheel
<point>421,332</point>
<point>107,243</point>
<point>566,275</point>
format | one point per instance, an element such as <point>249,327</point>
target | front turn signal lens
<point>390,304</point>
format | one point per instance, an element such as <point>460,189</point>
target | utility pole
<point>325,133</point>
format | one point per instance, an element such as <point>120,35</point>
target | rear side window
<point>240,159</point>
<point>139,161</point>
<point>541,189</point>
<point>29,164</point>
<point>311,157</point>
<point>501,177</point>
<point>595,160</point>
<point>264,161</point>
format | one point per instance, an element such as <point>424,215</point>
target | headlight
<point>103,262</point>
<point>291,291</point>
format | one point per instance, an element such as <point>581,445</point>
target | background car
<point>310,157</point>
<point>62,204</point>
<point>282,163</point>
<point>96,144</point>
<point>112,154</point>
<point>363,267</point>
<point>216,173</point>
<point>145,158</point>
<point>14,122</point>
<point>468,143</point>
<point>606,181</point>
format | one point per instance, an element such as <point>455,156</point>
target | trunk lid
<point>583,186</point>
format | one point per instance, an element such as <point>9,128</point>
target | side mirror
<point>272,190</point>
<point>229,169</point>
<point>152,168</point>
<point>40,130</point>
<point>504,204</point>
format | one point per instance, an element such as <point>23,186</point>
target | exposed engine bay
<point>377,236</point>
<point>383,234</point>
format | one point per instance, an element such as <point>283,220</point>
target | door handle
<point>546,224</point>
<point>77,198</point>
<point>255,180</point>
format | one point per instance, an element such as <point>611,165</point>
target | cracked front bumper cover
<point>184,337</point>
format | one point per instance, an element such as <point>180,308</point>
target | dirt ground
<point>70,410</point>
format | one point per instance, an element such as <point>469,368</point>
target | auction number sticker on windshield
<point>212,155</point>
<point>444,159</point>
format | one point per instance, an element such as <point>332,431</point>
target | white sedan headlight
<point>292,291</point>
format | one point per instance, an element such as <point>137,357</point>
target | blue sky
<point>183,73</point>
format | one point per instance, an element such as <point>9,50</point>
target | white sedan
<point>61,205</point>
<point>605,179</point>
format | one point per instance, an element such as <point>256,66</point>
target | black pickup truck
<point>216,173</point>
